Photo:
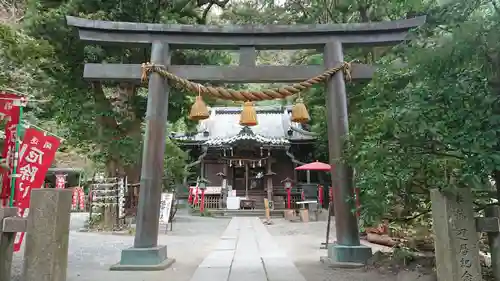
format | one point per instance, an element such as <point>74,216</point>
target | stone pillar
<point>456,239</point>
<point>347,247</point>
<point>494,242</point>
<point>6,244</point>
<point>47,236</point>
<point>146,254</point>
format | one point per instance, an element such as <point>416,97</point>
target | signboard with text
<point>166,207</point>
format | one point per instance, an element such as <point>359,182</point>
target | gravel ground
<point>91,254</point>
<point>302,242</point>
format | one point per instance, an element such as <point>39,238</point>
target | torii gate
<point>146,254</point>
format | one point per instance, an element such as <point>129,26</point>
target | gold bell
<point>248,115</point>
<point>199,110</point>
<point>299,112</point>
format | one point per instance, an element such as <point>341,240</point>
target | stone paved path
<point>247,252</point>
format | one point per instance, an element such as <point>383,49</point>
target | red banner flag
<point>74,198</point>
<point>10,112</point>
<point>35,157</point>
<point>81,199</point>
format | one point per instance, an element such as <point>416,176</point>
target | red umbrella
<point>314,166</point>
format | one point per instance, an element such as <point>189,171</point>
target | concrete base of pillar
<point>353,254</point>
<point>143,259</point>
<point>333,264</point>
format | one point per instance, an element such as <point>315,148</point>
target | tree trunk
<point>120,102</point>
<point>110,209</point>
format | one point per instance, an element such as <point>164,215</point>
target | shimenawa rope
<point>242,95</point>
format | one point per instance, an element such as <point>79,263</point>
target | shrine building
<point>254,160</point>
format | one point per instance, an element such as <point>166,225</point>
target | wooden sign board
<point>166,207</point>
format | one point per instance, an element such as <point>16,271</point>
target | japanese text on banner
<point>35,157</point>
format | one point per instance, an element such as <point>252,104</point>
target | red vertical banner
<point>288,198</point>
<point>196,195</point>
<point>37,152</point>
<point>81,198</point>
<point>74,198</point>
<point>320,195</point>
<point>60,181</point>
<point>10,112</point>
<point>202,203</point>
<point>190,197</point>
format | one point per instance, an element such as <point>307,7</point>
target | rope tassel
<point>299,112</point>
<point>199,110</point>
<point>145,69</point>
<point>248,115</point>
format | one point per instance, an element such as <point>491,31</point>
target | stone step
<point>246,213</point>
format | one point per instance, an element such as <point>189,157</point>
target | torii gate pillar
<point>347,248</point>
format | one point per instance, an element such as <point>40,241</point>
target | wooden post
<point>269,180</point>
<point>47,236</point>
<point>146,253</point>
<point>348,247</point>
<point>456,240</point>
<point>246,179</point>
<point>268,212</point>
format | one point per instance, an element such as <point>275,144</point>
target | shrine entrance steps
<point>247,213</point>
<point>247,252</point>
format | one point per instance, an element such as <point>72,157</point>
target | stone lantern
<point>202,185</point>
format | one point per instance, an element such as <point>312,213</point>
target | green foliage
<point>175,160</point>
<point>21,57</point>
<point>104,120</point>
<point>431,124</point>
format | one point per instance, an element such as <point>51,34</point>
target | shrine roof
<point>246,134</point>
<point>222,127</point>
